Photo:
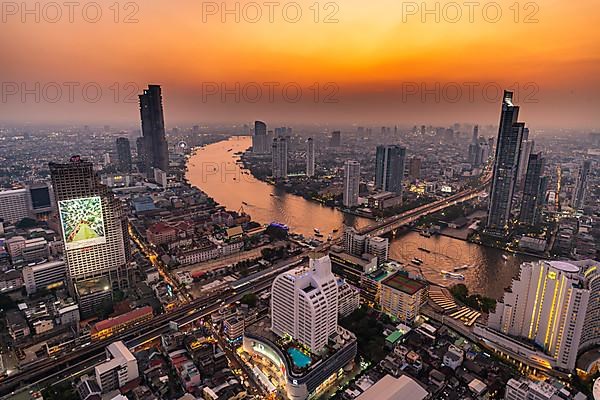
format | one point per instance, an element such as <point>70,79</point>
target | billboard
<point>82,222</point>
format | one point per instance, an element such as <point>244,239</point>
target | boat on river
<point>453,275</point>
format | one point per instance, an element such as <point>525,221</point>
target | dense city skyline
<point>300,200</point>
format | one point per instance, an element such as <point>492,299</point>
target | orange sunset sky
<point>378,57</point>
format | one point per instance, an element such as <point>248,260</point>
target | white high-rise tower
<point>304,303</point>
<point>280,158</point>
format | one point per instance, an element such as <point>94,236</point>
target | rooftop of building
<point>92,286</point>
<point>403,283</point>
<point>390,388</point>
<point>121,319</point>
<point>564,266</point>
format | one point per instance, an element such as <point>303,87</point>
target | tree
<point>7,303</point>
<point>250,299</point>
<point>62,391</point>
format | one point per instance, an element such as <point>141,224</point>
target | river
<point>215,170</point>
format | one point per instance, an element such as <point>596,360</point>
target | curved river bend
<point>215,170</point>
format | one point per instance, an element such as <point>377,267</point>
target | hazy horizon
<point>391,63</point>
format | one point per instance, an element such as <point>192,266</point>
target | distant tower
<point>336,139</point>
<point>414,167</point>
<point>351,183</point>
<point>280,158</point>
<point>532,191</point>
<point>310,157</point>
<point>389,168</point>
<point>124,154</point>
<point>260,143</point>
<point>93,222</point>
<point>578,199</point>
<point>474,149</point>
<point>156,154</point>
<point>508,151</point>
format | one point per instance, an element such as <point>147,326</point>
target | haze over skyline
<point>384,64</point>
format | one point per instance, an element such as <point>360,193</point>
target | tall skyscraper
<point>474,151</point>
<point>310,157</point>
<point>336,139</point>
<point>280,158</point>
<point>93,224</point>
<point>304,303</point>
<point>532,191</point>
<point>414,167</point>
<point>548,304</point>
<point>124,154</point>
<point>578,198</point>
<point>506,164</point>
<point>526,151</point>
<point>389,168</point>
<point>351,183</point>
<point>260,141</point>
<point>156,150</point>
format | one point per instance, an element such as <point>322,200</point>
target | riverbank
<point>216,170</point>
<point>300,185</point>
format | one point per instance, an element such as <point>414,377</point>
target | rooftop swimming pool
<point>300,359</point>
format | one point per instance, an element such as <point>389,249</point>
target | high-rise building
<point>14,205</point>
<point>378,247</point>
<point>354,242</point>
<point>526,151</point>
<point>40,196</point>
<point>260,140</point>
<point>547,305</point>
<point>414,167</point>
<point>351,183</point>
<point>390,164</point>
<point>578,198</point>
<point>124,154</point>
<point>336,139</point>
<point>506,164</point>
<point>304,304</point>
<point>310,157</point>
<point>280,158</point>
<point>532,191</point>
<point>474,151</point>
<point>93,224</point>
<point>156,150</point>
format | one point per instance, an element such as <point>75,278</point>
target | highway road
<point>47,370</point>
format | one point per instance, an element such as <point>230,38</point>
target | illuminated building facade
<point>93,222</point>
<point>548,305</point>
<point>508,153</point>
<point>304,304</point>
